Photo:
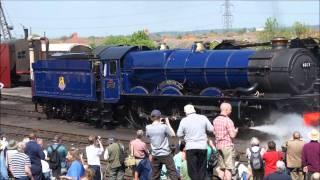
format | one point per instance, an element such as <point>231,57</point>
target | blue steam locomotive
<point>122,84</point>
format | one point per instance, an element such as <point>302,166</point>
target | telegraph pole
<point>227,16</point>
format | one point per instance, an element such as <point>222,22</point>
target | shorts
<point>226,158</point>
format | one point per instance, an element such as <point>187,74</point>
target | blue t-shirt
<point>76,170</point>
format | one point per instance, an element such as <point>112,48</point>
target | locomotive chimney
<point>26,33</point>
<point>279,43</point>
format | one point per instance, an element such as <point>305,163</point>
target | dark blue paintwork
<point>222,69</point>
<point>64,79</point>
<point>110,83</point>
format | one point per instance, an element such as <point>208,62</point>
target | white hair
<point>281,166</point>
<point>254,141</point>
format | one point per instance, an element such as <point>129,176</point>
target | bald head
<point>225,109</point>
<point>296,135</point>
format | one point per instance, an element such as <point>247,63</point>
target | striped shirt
<point>18,162</point>
<point>223,128</point>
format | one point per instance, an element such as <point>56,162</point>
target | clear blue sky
<point>101,18</point>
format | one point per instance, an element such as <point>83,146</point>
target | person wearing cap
<point>62,152</point>
<point>311,154</point>
<point>225,132</point>
<point>293,148</point>
<point>193,128</point>
<point>20,164</point>
<point>113,154</point>
<point>11,149</point>
<point>36,154</point>
<point>93,152</point>
<point>158,133</point>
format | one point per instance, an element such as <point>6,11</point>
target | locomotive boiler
<point>124,83</point>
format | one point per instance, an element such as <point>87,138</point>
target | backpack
<point>122,156</point>
<point>213,159</point>
<point>54,161</point>
<point>256,161</point>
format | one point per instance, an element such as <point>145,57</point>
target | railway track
<point>69,140</point>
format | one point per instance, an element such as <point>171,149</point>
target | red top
<point>270,158</point>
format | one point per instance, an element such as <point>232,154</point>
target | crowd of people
<point>197,155</point>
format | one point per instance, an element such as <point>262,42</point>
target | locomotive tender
<point>124,83</point>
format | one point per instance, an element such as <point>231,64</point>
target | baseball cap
<point>155,113</point>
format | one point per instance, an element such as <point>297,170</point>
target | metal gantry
<point>227,16</point>
<point>5,28</point>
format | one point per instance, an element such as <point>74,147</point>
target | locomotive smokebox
<point>279,43</point>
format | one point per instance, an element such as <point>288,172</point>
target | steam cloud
<point>284,125</point>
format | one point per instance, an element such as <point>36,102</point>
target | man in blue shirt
<point>35,153</point>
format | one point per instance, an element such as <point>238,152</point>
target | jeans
<point>117,173</point>
<point>197,163</point>
<point>97,172</point>
<point>158,161</point>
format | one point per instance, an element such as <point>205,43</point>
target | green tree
<point>299,29</point>
<point>271,30</point>
<point>116,40</point>
<point>139,38</point>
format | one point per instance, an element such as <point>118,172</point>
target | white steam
<point>284,125</point>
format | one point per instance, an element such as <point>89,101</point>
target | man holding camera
<point>158,133</point>
<point>93,152</point>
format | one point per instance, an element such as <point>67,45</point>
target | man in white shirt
<point>93,155</point>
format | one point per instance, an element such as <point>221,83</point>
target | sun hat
<point>314,135</point>
<point>12,145</point>
<point>189,109</point>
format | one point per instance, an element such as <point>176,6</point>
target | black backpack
<point>256,161</point>
<point>54,161</point>
<point>122,155</point>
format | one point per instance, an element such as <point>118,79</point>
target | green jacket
<point>114,155</point>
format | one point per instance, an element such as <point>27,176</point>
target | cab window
<point>112,68</point>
